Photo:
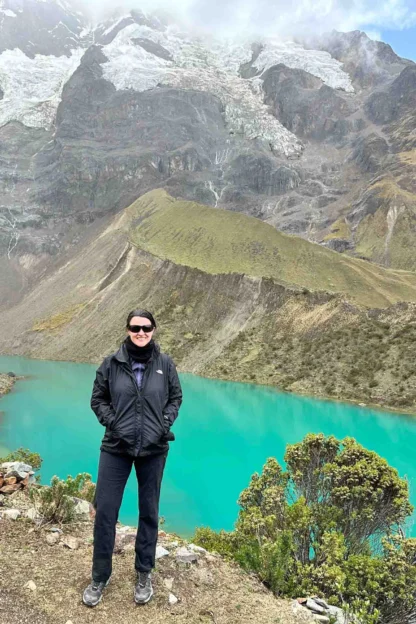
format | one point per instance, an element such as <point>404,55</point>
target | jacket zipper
<point>139,391</point>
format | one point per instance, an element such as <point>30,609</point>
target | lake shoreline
<point>323,397</point>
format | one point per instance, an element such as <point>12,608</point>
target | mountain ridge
<point>318,343</point>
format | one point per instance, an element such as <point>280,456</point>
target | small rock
<point>71,542</point>
<point>124,540</point>
<point>338,613</point>
<point>30,585</point>
<point>2,497</point>
<point>321,618</point>
<point>168,583</point>
<point>18,474</point>
<point>82,508</point>
<point>174,544</point>
<point>314,606</point>
<point>321,602</point>
<point>16,465</point>
<point>9,489</point>
<point>11,514</point>
<point>183,555</point>
<point>196,548</point>
<point>68,622</point>
<point>172,599</point>
<point>162,534</point>
<point>33,513</point>
<point>161,552</point>
<point>124,529</point>
<point>55,530</point>
<point>53,538</point>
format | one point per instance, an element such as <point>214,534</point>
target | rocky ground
<point>47,570</point>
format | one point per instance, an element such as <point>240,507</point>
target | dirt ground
<point>209,591</point>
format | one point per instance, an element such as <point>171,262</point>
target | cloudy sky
<point>393,21</point>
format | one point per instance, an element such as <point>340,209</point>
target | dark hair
<point>143,313</point>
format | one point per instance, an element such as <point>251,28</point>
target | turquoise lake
<point>225,431</point>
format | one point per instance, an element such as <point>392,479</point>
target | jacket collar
<point>122,356</point>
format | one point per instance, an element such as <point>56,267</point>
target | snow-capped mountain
<point>92,116</point>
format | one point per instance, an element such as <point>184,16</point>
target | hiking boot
<point>143,590</point>
<point>94,592</point>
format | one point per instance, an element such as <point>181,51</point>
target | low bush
<point>327,525</point>
<point>55,502</point>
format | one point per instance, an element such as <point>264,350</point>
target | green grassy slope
<point>219,241</point>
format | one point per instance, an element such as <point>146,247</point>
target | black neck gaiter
<point>139,354</point>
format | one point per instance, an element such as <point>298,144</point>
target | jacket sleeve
<point>170,412</point>
<point>101,398</point>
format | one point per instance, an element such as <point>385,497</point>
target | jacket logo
<point>159,371</point>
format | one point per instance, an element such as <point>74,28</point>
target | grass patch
<point>57,320</point>
<point>218,241</point>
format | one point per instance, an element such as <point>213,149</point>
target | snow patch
<point>8,13</point>
<point>315,62</point>
<point>115,24</point>
<point>33,87</point>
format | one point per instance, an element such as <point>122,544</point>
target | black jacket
<point>136,420</point>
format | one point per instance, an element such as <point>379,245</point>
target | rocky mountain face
<point>316,137</point>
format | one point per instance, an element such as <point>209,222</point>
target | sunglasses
<point>136,328</point>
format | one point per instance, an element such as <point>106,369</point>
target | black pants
<point>113,472</point>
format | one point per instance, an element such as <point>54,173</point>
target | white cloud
<point>375,35</point>
<point>266,17</point>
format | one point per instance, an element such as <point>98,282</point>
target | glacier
<point>33,87</point>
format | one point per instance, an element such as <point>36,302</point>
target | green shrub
<point>326,525</point>
<point>55,502</point>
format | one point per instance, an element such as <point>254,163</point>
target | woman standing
<point>136,396</point>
